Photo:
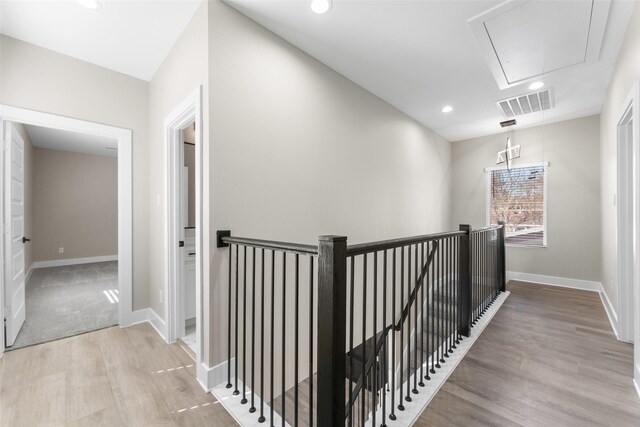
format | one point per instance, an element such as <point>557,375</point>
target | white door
<point>14,296</point>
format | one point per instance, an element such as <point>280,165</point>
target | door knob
<point>25,240</point>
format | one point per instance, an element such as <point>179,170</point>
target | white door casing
<point>126,315</point>
<point>187,112</point>
<point>14,296</point>
<point>628,224</point>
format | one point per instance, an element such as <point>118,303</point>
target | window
<point>517,197</point>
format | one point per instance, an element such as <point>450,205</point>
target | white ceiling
<point>132,36</point>
<point>63,140</point>
<point>422,55</point>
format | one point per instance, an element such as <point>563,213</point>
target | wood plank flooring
<point>548,357</point>
<point>111,377</point>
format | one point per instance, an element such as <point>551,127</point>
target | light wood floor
<point>548,357</point>
<point>112,377</point>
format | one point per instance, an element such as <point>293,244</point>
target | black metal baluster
<point>484,272</point>
<point>440,355</point>
<point>295,345</point>
<point>474,276</point>
<point>478,275</point>
<point>422,311</point>
<point>456,289</point>
<point>253,329</point>
<point>415,321</point>
<point>450,323</point>
<point>392,415</point>
<point>236,358</point>
<point>428,313</point>
<point>385,325</point>
<point>408,321</point>
<point>374,389</point>
<point>446,298</point>
<point>261,419</point>
<point>273,330</point>
<point>284,334</point>
<point>351,306</point>
<point>494,269</point>
<point>481,255</point>
<point>364,334</point>
<point>400,405</point>
<point>385,389</point>
<point>244,325</point>
<point>229,385</point>
<point>435,246</point>
<point>311,306</point>
<point>441,300</point>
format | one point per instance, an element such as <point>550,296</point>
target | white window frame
<point>545,165</point>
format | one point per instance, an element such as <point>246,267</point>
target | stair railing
<point>381,319</point>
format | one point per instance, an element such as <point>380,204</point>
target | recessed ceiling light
<point>321,6</point>
<point>536,85</point>
<point>90,4</point>
<point>447,109</point>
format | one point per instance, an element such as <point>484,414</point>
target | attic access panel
<point>524,39</point>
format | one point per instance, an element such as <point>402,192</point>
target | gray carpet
<point>66,301</point>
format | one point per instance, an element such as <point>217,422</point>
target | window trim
<point>545,165</point>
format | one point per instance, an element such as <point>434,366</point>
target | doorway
<point>62,188</point>
<point>13,271</point>
<point>183,133</point>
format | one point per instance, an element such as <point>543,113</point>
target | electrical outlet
<point>60,250</point>
<point>161,296</point>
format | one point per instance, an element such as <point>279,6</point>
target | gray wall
<point>42,80</point>
<point>573,194</point>
<point>297,151</point>
<point>75,205</point>
<point>183,70</point>
<point>626,72</point>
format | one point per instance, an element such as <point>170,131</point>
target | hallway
<point>548,357</point>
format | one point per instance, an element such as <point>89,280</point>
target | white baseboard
<point>135,317</point>
<point>158,324</point>
<point>565,282</point>
<point>239,412</point>
<point>73,261</point>
<point>611,313</point>
<point>215,376</point>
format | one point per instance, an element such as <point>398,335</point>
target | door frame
<point>628,219</point>
<point>188,111</point>
<point>125,196</point>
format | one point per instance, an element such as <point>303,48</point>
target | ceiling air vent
<point>525,104</point>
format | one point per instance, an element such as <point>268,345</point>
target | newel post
<point>332,313</point>
<point>465,280</point>
<point>502,264</point>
